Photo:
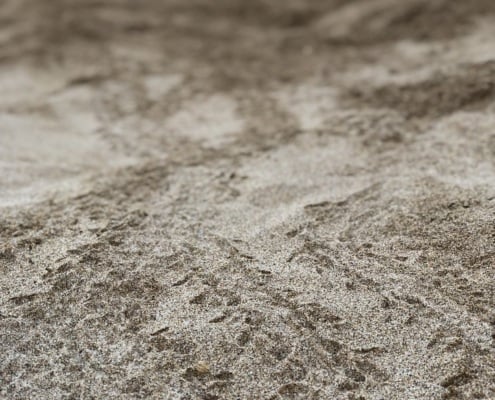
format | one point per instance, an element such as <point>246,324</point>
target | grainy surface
<point>235,199</point>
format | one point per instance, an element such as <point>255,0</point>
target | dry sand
<point>235,199</point>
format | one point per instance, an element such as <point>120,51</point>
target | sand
<point>233,199</point>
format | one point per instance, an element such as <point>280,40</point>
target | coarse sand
<point>247,199</point>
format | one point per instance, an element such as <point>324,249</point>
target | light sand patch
<point>40,151</point>
<point>25,85</point>
<point>76,109</point>
<point>212,121</point>
<point>157,86</point>
<point>309,104</point>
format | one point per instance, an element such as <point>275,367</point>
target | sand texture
<point>247,199</point>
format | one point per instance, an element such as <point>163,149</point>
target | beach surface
<point>232,199</point>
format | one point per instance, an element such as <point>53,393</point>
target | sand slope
<point>247,199</point>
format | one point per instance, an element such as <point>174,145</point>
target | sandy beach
<point>233,199</point>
